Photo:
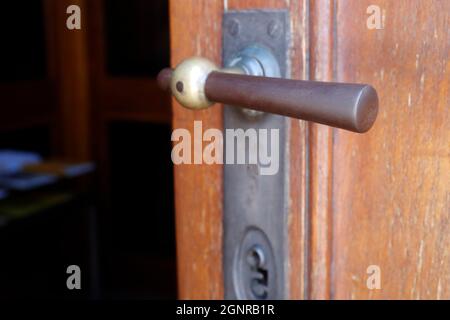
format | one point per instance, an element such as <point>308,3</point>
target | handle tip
<point>366,109</point>
<point>163,79</point>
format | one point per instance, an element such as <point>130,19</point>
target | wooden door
<point>356,201</point>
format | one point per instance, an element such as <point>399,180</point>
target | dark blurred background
<point>85,169</point>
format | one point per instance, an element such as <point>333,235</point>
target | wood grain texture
<point>379,198</point>
<point>198,188</point>
<point>321,45</point>
<point>298,161</point>
<point>391,192</point>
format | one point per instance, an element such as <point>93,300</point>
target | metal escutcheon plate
<point>255,210</point>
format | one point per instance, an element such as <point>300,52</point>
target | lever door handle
<point>197,83</point>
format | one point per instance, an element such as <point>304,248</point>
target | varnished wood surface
<point>321,45</point>
<point>381,198</point>
<point>198,188</point>
<point>298,161</point>
<point>391,186</point>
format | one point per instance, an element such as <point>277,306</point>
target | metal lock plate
<point>255,205</point>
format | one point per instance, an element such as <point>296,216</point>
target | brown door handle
<point>196,83</point>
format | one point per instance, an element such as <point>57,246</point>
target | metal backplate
<point>255,205</point>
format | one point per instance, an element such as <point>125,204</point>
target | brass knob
<point>188,80</point>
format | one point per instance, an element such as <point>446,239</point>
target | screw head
<point>274,29</point>
<point>233,27</point>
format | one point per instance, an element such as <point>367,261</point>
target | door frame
<point>199,188</point>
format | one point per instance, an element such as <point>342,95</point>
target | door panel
<point>380,198</point>
<point>391,200</point>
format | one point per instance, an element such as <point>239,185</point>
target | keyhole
<point>259,276</point>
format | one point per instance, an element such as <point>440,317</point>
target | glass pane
<point>137,37</point>
<point>23,48</point>
<point>142,190</point>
